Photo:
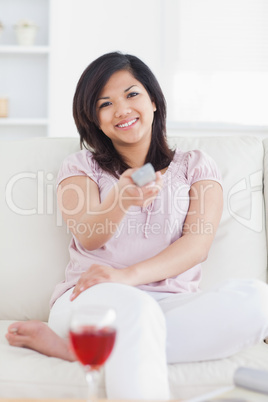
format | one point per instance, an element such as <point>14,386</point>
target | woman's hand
<point>131,194</point>
<point>99,274</point>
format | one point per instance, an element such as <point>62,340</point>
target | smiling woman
<point>126,92</point>
<point>140,249</point>
<point>128,116</point>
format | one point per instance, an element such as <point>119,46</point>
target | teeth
<point>127,124</point>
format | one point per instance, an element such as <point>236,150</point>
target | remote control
<point>256,380</point>
<point>144,175</point>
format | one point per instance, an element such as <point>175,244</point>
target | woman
<point>139,249</point>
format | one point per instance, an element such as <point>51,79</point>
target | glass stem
<point>92,383</point>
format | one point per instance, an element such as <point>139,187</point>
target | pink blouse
<point>144,232</point>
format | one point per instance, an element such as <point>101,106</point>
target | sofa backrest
<point>265,182</point>
<point>34,243</point>
<point>239,249</point>
<point>34,240</point>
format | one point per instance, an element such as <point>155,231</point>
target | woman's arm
<point>200,226</point>
<point>83,212</point>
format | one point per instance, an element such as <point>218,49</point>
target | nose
<point>122,109</point>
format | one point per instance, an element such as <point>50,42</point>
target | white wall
<point>82,30</point>
<point>212,85</point>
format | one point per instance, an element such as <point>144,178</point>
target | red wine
<point>93,346</point>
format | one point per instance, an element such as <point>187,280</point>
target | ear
<point>154,106</point>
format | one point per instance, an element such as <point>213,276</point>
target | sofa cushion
<point>25,373</point>
<point>48,377</point>
<point>34,242</point>
<point>189,380</point>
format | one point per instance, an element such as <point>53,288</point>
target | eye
<point>105,104</point>
<point>132,94</point>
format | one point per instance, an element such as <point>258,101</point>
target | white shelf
<point>23,122</point>
<point>7,49</point>
<point>25,70</point>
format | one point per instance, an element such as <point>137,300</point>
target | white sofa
<point>34,253</point>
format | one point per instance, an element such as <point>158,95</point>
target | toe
<point>14,327</point>
<point>12,339</point>
<point>13,330</point>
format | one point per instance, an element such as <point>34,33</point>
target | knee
<point>251,296</point>
<point>138,306</point>
<point>142,314</point>
<point>251,290</point>
<point>256,303</point>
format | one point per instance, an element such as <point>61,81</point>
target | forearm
<point>192,247</point>
<point>95,227</point>
<point>177,258</point>
<point>94,222</point>
<point>166,264</point>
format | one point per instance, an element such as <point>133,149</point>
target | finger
<point>150,192</point>
<point>129,172</point>
<point>76,292</point>
<point>158,179</point>
<point>153,187</point>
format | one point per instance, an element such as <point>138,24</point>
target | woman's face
<point>125,111</point>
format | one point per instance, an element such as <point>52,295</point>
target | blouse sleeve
<point>79,164</point>
<point>201,166</point>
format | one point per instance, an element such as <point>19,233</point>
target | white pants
<point>154,330</point>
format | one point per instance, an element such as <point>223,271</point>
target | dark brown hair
<point>89,86</point>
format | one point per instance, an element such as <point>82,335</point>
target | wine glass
<point>92,337</point>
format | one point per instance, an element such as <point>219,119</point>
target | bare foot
<point>38,336</point>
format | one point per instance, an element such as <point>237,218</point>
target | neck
<point>133,154</point>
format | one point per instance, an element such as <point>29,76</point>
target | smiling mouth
<point>127,124</point>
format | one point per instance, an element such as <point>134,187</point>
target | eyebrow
<point>126,90</point>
